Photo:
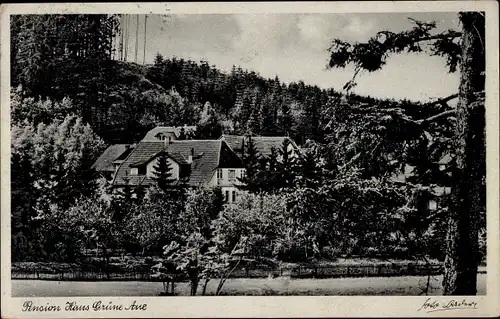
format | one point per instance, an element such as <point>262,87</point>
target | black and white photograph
<point>172,154</point>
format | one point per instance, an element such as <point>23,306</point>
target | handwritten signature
<point>432,305</point>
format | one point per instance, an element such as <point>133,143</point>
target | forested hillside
<point>122,100</point>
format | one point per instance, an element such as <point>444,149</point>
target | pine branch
<point>435,117</point>
<point>444,101</point>
<point>400,114</point>
<point>450,35</point>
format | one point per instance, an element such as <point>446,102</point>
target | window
<point>184,170</point>
<point>134,171</point>
<point>227,196</point>
<point>219,174</point>
<point>432,205</point>
<point>234,196</point>
<point>142,170</point>
<point>242,173</point>
<point>232,175</point>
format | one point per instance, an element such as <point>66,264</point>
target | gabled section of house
<point>110,159</point>
<point>161,133</point>
<point>193,162</point>
<point>263,144</point>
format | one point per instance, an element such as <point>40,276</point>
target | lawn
<point>396,286</point>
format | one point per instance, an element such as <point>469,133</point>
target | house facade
<point>193,162</point>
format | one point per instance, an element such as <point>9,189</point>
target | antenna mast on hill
<point>136,36</point>
<point>145,38</point>
<point>126,25</point>
<point>120,45</point>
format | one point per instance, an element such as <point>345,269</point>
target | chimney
<point>191,155</point>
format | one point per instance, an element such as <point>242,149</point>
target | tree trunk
<point>204,291</point>
<point>194,286</point>
<point>194,279</point>
<point>461,261</point>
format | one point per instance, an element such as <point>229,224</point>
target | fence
<point>330,271</point>
<point>337,271</point>
<point>83,276</point>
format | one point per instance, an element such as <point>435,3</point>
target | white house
<point>193,162</point>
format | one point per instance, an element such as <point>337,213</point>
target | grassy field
<point>395,286</point>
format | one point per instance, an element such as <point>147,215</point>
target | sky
<point>294,47</point>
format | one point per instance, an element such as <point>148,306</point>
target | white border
<point>297,306</point>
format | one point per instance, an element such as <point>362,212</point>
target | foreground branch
<point>435,117</point>
<point>444,101</point>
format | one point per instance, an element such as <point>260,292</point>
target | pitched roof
<point>176,156</point>
<point>234,141</point>
<point>105,162</point>
<point>263,144</point>
<point>173,131</point>
<point>205,160</point>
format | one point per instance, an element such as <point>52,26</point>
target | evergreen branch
<point>400,112</point>
<point>435,117</point>
<point>444,101</point>
<point>450,35</point>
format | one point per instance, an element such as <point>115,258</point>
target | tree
<point>350,215</point>
<point>209,126</point>
<point>62,156</point>
<point>309,171</point>
<point>162,171</point>
<point>51,167</point>
<point>90,220</point>
<point>287,165</point>
<point>63,234</point>
<point>151,224</point>
<point>253,228</point>
<point>270,114</point>
<point>189,252</point>
<point>155,72</point>
<point>254,123</point>
<point>468,190</point>
<point>39,111</point>
<point>285,118</point>
<point>462,252</point>
<point>269,175</point>
<point>65,55</point>
<point>122,201</point>
<point>251,181</point>
<point>23,197</point>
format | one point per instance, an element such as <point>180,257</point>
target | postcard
<point>250,159</point>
